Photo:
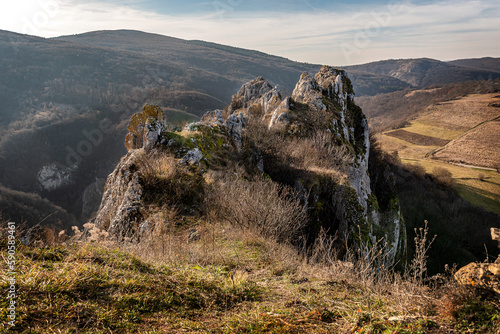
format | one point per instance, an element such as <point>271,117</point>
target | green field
<point>485,193</point>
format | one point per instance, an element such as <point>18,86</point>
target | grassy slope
<point>451,121</point>
<point>229,281</point>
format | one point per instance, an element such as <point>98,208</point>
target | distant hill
<point>395,109</point>
<point>486,63</point>
<point>424,72</point>
<point>198,59</point>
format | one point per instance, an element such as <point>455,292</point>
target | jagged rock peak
<point>256,93</point>
<point>329,82</point>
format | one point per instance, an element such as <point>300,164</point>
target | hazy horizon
<point>315,31</point>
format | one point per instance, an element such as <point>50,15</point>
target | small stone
<point>194,235</point>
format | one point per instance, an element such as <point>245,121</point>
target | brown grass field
<point>479,147</point>
<point>416,138</point>
<point>464,131</point>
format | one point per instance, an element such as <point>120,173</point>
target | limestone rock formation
<point>213,117</point>
<point>120,208</point>
<point>234,125</point>
<point>152,133</point>
<point>52,176</point>
<point>323,103</point>
<point>307,91</point>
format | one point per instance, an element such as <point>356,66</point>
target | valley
<point>461,135</point>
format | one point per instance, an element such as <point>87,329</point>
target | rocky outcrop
<point>320,103</point>
<point>52,176</point>
<point>213,117</point>
<point>307,91</point>
<point>120,208</point>
<point>482,275</point>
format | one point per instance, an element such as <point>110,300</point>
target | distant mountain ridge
<point>486,63</point>
<point>424,72</point>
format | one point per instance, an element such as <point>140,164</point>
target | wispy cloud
<point>337,36</point>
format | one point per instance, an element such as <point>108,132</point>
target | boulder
<point>483,275</point>
<point>192,157</point>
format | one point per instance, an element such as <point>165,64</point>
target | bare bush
<point>416,169</point>
<point>269,208</point>
<point>167,183</point>
<point>418,265</point>
<point>443,176</point>
<point>156,166</point>
<point>319,150</point>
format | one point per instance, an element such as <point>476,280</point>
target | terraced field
<point>462,136</point>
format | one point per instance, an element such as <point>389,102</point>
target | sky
<point>337,33</point>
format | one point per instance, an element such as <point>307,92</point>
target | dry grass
<point>261,205</point>
<point>230,280</point>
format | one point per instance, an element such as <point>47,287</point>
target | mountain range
<point>65,101</point>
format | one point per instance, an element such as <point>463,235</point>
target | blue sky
<point>314,31</point>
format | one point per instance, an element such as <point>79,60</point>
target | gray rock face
<point>192,157</point>
<point>152,134</point>
<point>307,91</point>
<point>280,114</point>
<point>121,203</point>
<point>52,177</point>
<point>234,125</point>
<point>213,117</point>
<point>250,92</point>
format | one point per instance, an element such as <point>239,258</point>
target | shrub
<point>416,169</point>
<point>169,184</point>
<point>319,150</point>
<point>262,205</point>
<point>443,176</point>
